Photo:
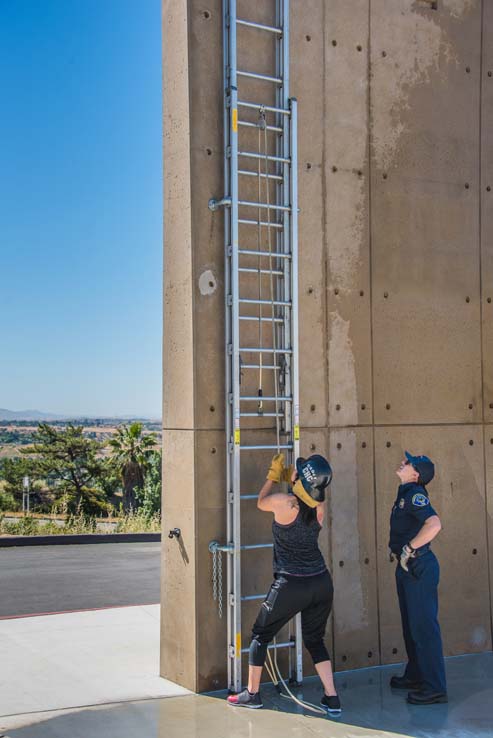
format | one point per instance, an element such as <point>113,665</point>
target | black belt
<point>417,552</point>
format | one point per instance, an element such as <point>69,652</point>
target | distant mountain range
<point>38,415</point>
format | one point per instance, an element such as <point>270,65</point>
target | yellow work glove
<point>287,473</point>
<point>276,469</point>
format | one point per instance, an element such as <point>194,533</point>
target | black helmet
<point>315,474</point>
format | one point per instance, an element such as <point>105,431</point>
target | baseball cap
<point>423,465</point>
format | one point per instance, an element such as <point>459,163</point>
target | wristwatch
<point>411,548</point>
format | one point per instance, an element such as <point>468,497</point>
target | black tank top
<point>296,550</point>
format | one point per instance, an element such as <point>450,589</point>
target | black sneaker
<point>426,698</point>
<point>402,682</point>
<point>331,704</point>
<point>245,699</point>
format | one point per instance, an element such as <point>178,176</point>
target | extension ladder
<point>261,272</point>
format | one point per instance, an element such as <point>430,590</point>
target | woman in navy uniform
<point>413,525</point>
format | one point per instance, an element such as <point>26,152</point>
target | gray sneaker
<point>246,699</point>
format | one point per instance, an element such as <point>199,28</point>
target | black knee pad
<point>257,653</point>
<point>317,651</point>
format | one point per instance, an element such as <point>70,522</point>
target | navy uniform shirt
<point>411,508</point>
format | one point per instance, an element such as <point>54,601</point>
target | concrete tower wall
<point>396,314</point>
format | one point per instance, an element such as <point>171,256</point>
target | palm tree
<point>131,453</point>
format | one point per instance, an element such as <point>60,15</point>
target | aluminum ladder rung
<point>255,546</point>
<point>249,497</point>
<point>272,646</point>
<point>259,26</point>
<point>253,270</point>
<point>257,366</point>
<point>261,106</point>
<point>251,301</point>
<point>269,157</point>
<point>247,173</point>
<point>264,205</point>
<point>261,77</point>
<point>263,223</point>
<point>273,254</point>
<point>261,415</point>
<point>250,598</point>
<point>254,350</point>
<point>249,124</point>
<point>268,447</point>
<point>256,319</point>
<point>269,398</point>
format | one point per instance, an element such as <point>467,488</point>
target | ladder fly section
<point>260,216</point>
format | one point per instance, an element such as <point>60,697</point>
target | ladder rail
<point>279,172</point>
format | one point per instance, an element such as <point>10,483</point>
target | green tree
<point>13,472</point>
<point>149,497</point>
<point>69,461</point>
<point>132,451</point>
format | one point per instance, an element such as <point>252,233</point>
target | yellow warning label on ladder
<point>296,432</point>
<point>237,436</point>
<point>238,646</point>
<point>235,120</point>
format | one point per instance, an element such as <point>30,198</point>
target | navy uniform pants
<point>417,590</point>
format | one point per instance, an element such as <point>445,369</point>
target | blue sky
<point>81,206</point>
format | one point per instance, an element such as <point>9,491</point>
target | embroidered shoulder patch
<point>420,500</point>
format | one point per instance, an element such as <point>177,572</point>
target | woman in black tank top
<point>302,582</point>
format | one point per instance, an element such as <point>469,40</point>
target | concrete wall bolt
<point>359,47</point>
<point>206,14</point>
<point>466,185</point>
<point>370,654</point>
<point>389,444</point>
<point>363,406</point>
<point>386,294</point>
<point>489,74</point>
<point>341,564</point>
<point>361,293</point>
<point>394,651</point>
<point>338,407</point>
<point>367,560</point>
<point>312,447</point>
<point>308,165</point>
<point>488,299</point>
<point>212,408</point>
<point>488,189</point>
<point>339,446</point>
<point>308,38</point>
<point>336,291</point>
<point>334,42</point>
<point>387,406</point>
<point>474,551</point>
<point>384,54</point>
<point>471,442</point>
<point>363,445</point>
<point>334,169</point>
<point>310,290</point>
<point>213,450</point>
<point>385,175</point>
<point>344,658</point>
<point>491,405</point>
<point>312,408</point>
<point>468,69</point>
<point>468,299</point>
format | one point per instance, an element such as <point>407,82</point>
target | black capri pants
<point>289,595</point>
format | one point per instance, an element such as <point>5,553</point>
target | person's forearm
<point>266,490</point>
<point>430,529</point>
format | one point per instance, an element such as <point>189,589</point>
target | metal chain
<point>220,585</point>
<point>214,575</point>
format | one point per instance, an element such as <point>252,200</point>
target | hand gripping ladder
<point>262,252</point>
